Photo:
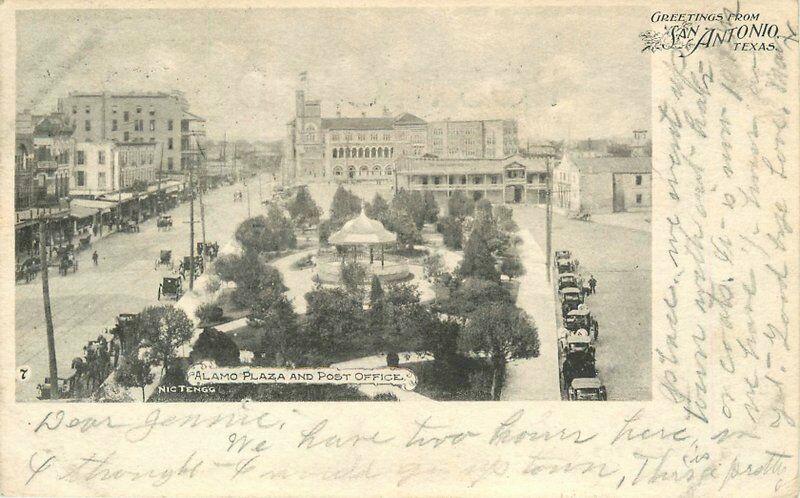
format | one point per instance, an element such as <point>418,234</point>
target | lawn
<point>468,379</point>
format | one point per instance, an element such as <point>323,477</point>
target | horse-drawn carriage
<point>130,226</point>
<point>186,266</point>
<point>577,364</point>
<point>28,269</point>
<point>208,249</point>
<point>43,389</point>
<point>564,262</point>
<point>164,259</point>
<point>84,242</point>
<point>164,222</point>
<point>566,280</point>
<point>171,287</point>
<point>578,319</point>
<point>66,262</point>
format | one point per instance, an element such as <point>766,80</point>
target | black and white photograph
<point>463,196</point>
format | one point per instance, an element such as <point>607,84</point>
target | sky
<point>561,73</point>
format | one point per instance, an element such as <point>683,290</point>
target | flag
<point>304,76</point>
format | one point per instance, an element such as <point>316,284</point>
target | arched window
<point>364,171</point>
<point>360,152</point>
<point>335,152</point>
<point>391,152</point>
<point>368,152</point>
<point>376,170</point>
<point>348,152</point>
<point>353,152</point>
<point>380,152</point>
<point>374,152</point>
<point>337,171</point>
<point>388,169</point>
<point>386,152</point>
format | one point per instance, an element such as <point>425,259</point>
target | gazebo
<point>363,231</point>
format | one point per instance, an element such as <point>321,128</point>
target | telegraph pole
<point>48,314</point>
<point>191,224</point>
<point>202,184</point>
<point>549,222</point>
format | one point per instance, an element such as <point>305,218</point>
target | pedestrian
<point>592,284</point>
<point>95,257</point>
<point>78,366</point>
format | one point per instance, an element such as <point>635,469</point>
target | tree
<point>430,208</point>
<point>345,205</point>
<point>376,293</point>
<point>432,266</point>
<point>404,324</point>
<point>502,332</point>
<point>452,232</point>
<point>378,209</point>
<point>401,223</point>
<point>479,262</point>
<point>135,373</point>
<point>164,329</point>
<point>263,234</point>
<point>354,276</point>
<point>413,204</point>
<point>302,208</point>
<point>215,345</point>
<point>472,293</point>
<point>459,206</point>
<point>282,337</point>
<point>254,280</point>
<point>512,267</point>
<point>334,322</point>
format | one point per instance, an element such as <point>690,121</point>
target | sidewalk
<point>535,378</point>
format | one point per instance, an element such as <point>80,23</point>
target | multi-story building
<point>52,149</point>
<point>603,184</point>
<point>130,117</point>
<point>366,148</point>
<point>490,139</point>
<point>512,179</point>
<point>193,132</point>
<point>101,168</point>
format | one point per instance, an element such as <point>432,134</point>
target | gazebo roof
<point>362,230</point>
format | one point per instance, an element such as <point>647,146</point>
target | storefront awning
<point>94,205</point>
<point>81,212</point>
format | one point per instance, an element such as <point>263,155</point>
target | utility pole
<point>549,222</point>
<point>48,314</point>
<point>191,224</point>
<point>202,184</point>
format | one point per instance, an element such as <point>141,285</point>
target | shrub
<point>433,267</point>
<point>209,313</point>
<point>215,345</point>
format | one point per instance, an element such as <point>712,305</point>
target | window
<point>127,136</point>
<point>152,112</point>
<point>152,125</point>
<point>152,139</point>
<point>169,164</point>
<point>80,158</point>
<point>101,157</point>
<point>169,143</point>
<point>138,110</point>
<point>374,136</point>
<point>638,180</point>
<point>126,116</point>
<point>638,198</point>
<point>335,152</point>
<point>114,126</point>
<point>360,136</point>
<point>387,136</point>
<point>80,178</point>
<point>436,180</point>
<point>348,137</point>
<point>74,109</point>
<point>88,109</point>
<point>169,124</point>
<point>87,125</point>
<point>101,180</point>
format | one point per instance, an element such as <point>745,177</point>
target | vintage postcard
<point>340,248</point>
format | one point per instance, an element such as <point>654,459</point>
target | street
<point>619,258</point>
<point>87,302</point>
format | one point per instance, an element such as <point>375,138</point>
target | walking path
<point>535,378</point>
